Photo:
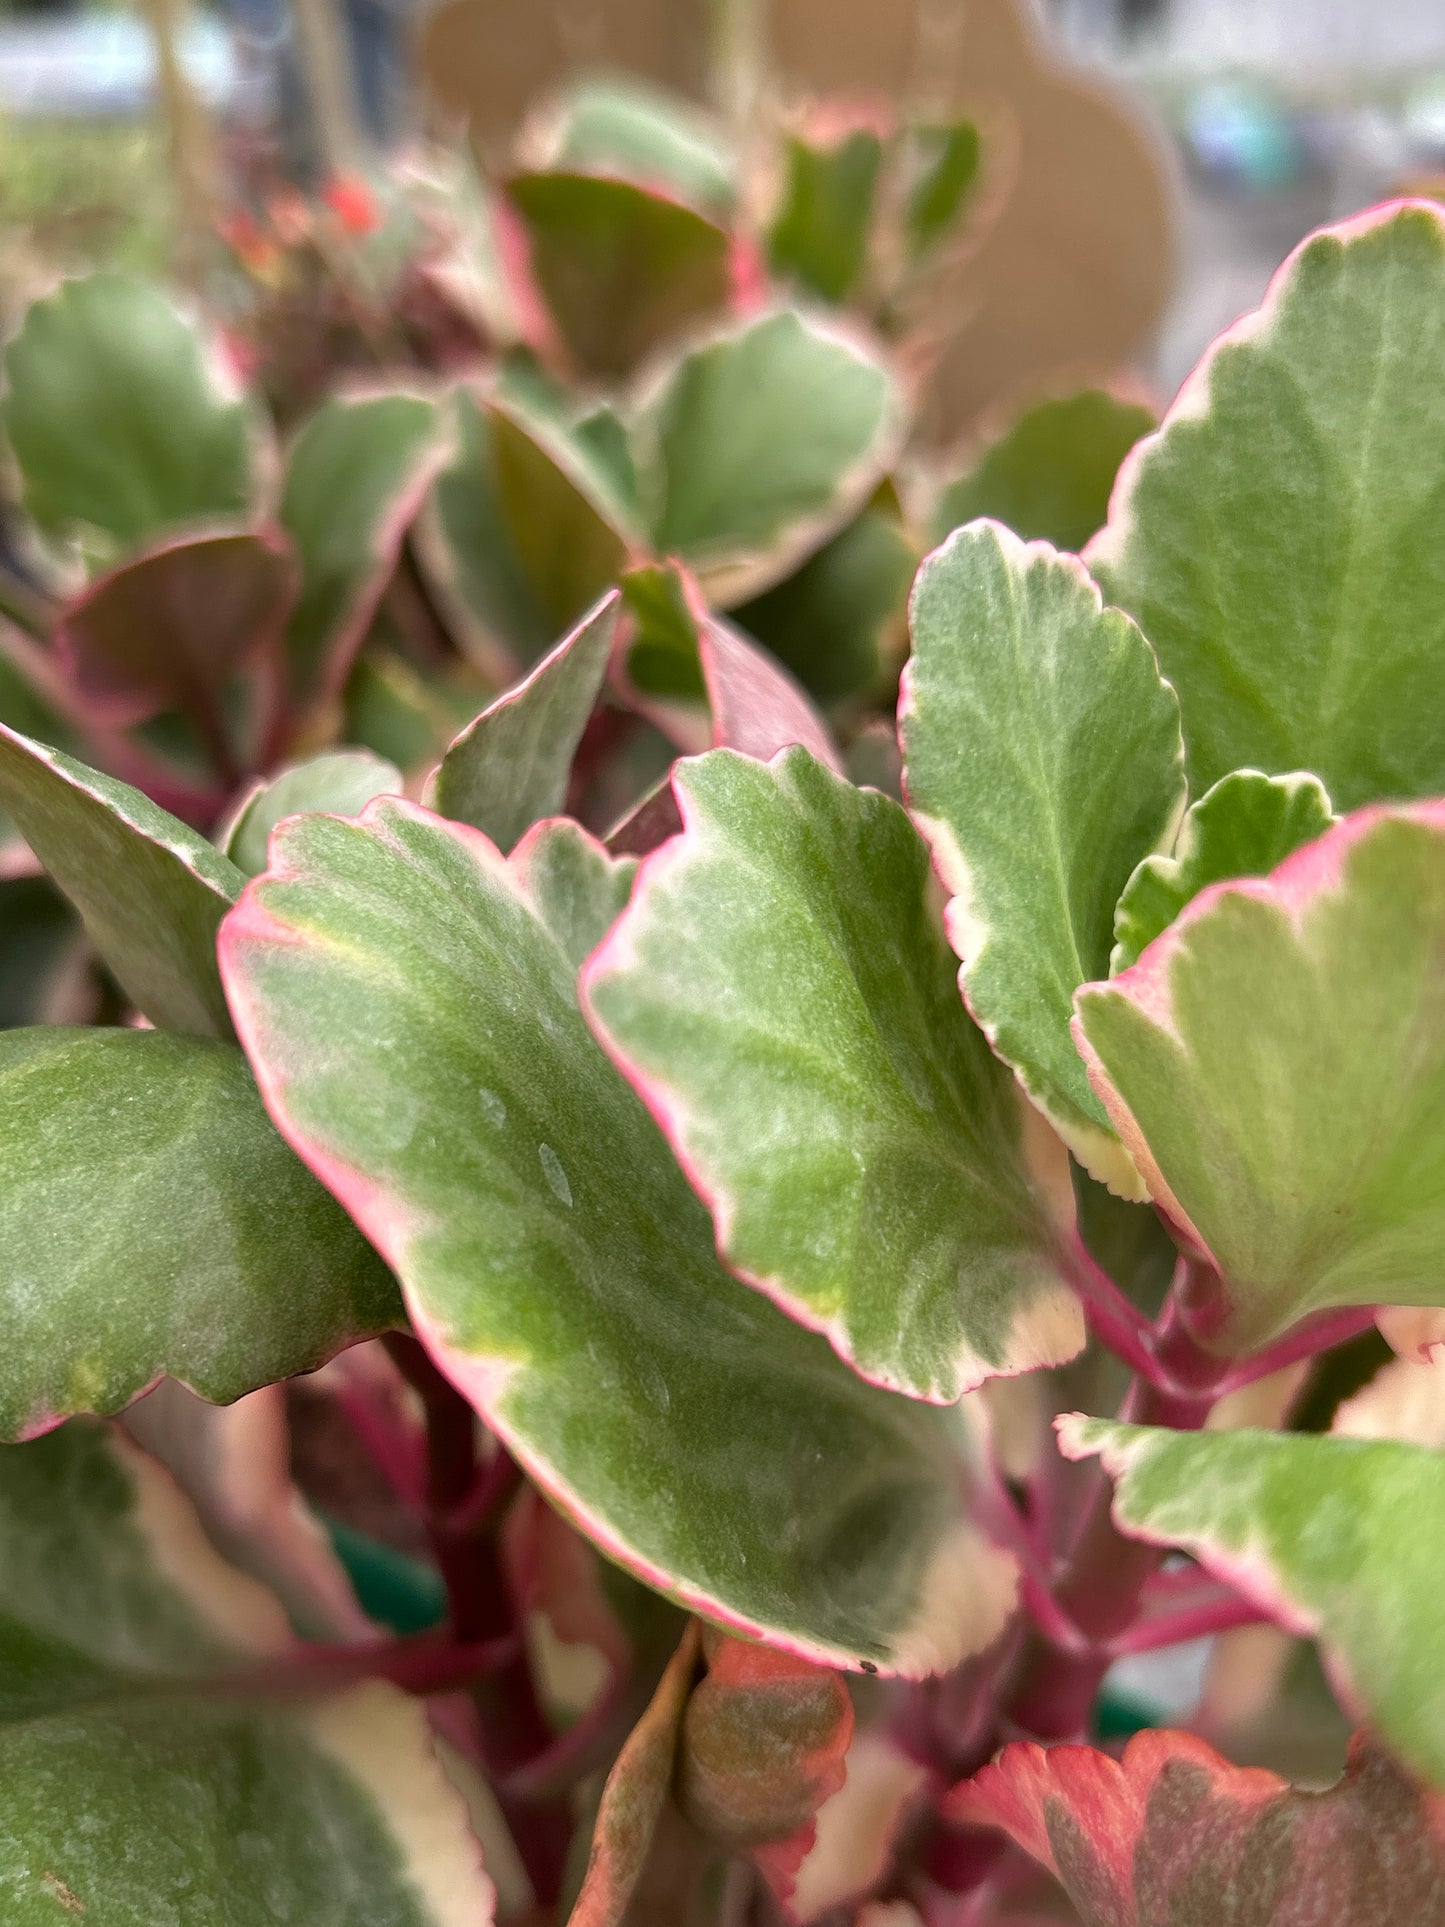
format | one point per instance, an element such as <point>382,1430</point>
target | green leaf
<point>129,1795</point>
<point>622,267</point>
<point>152,1221</point>
<point>783,1000</point>
<point>821,230</point>
<point>635,1796</point>
<point>625,127</point>
<point>1246,825</point>
<point>759,445</point>
<point>340,781</point>
<point>410,1008</point>
<point>1337,1538</point>
<point>174,627</point>
<point>1173,1835</point>
<point>829,620</point>
<point>1279,540</point>
<point>356,475</point>
<point>945,158</point>
<point>511,766</point>
<point>152,892</point>
<point>1275,1063</point>
<point>1050,474</point>
<point>1042,761</point>
<point>120,415</point>
<point>520,535</point>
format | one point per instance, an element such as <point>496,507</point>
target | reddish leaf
<point>634,1797</point>
<point>1174,1836</point>
<point>171,628</point>
<point>764,1741</point>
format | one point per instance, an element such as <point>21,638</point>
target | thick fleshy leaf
<point>171,629</point>
<point>152,1221</point>
<point>1173,1835</point>
<point>759,445</point>
<point>781,996</point>
<point>1042,760</point>
<point>127,1796</point>
<point>408,1000</point>
<point>510,768</point>
<point>152,892</point>
<point>519,540</point>
<point>120,415</point>
<point>1299,1013</point>
<point>622,267</point>
<point>943,159</point>
<point>1279,539</point>
<point>821,229</point>
<point>764,1740</point>
<point>1244,827</point>
<point>1050,474</point>
<point>1338,1538</point>
<point>623,126</point>
<point>829,621</point>
<point>339,781</point>
<point>634,1797</point>
<point>356,475</point>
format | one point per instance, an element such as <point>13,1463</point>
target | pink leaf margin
<point>1293,888</point>
<point>1195,396</point>
<point>482,1380</point>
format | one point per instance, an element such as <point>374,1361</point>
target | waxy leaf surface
<point>1173,1835</point>
<point>1050,474</point>
<point>760,444</point>
<point>510,768</point>
<point>1280,539</point>
<point>634,1797</point>
<point>339,781</point>
<point>120,416</point>
<point>1339,1538</point>
<point>1244,827</point>
<point>151,891</point>
<point>170,629</point>
<point>130,1796</point>
<point>356,475</point>
<point>622,266</point>
<point>152,1221</point>
<point>1275,1063</point>
<point>783,999</point>
<point>1042,760</point>
<point>408,1000</point>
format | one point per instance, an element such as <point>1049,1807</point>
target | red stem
<point>1222,1613</point>
<point>1306,1340</point>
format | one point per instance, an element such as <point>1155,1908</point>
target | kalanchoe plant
<point>730,1204</point>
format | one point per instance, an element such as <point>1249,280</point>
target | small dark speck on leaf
<point>868,1666</point>
<point>72,1903</point>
